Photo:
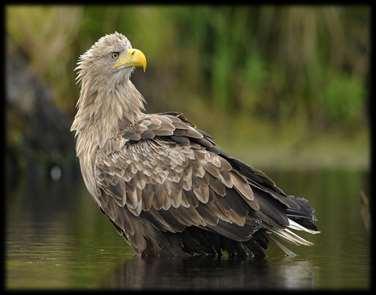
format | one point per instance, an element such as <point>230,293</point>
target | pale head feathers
<point>106,95</point>
<point>97,61</point>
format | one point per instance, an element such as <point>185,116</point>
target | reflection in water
<point>57,238</point>
<point>208,273</point>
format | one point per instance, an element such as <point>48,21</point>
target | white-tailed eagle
<point>164,183</point>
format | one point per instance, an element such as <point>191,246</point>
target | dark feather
<point>185,191</point>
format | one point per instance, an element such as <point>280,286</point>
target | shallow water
<point>57,238</point>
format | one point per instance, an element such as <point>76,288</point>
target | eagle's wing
<point>162,169</point>
<point>166,171</point>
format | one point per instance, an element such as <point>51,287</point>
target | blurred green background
<point>276,85</point>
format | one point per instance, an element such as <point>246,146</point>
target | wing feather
<point>173,185</point>
<point>163,174</point>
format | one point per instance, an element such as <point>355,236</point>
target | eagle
<point>164,184</point>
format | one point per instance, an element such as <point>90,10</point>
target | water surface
<point>57,238</point>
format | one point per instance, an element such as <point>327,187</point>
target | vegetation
<point>270,66</point>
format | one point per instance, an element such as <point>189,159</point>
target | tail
<point>300,217</point>
<point>281,214</point>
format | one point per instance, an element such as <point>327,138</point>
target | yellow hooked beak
<point>131,58</point>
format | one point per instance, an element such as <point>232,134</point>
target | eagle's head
<point>109,61</point>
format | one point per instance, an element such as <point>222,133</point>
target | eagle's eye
<point>115,55</point>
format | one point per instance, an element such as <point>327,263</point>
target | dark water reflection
<point>207,273</point>
<point>56,238</point>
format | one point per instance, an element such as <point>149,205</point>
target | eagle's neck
<point>98,119</point>
<point>100,113</point>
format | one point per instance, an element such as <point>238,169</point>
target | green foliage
<point>267,62</point>
<point>256,79</point>
<point>343,98</point>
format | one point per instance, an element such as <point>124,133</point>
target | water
<point>57,238</point>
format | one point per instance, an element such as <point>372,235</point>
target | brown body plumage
<point>163,183</point>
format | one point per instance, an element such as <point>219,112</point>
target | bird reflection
<point>209,273</point>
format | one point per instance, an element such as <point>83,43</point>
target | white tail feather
<point>296,226</point>
<point>291,237</point>
<point>298,238</point>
